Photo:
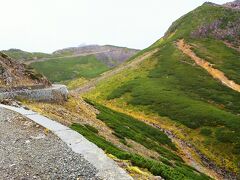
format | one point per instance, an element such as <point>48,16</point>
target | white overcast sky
<point>48,25</point>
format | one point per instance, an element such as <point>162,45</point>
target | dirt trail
<point>92,83</point>
<point>231,46</point>
<point>215,73</point>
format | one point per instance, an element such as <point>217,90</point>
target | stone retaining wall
<point>56,92</point>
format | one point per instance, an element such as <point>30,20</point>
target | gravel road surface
<point>28,151</point>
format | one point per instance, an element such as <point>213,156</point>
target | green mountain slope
<point>24,55</point>
<point>75,65</point>
<point>171,89</point>
<point>107,54</point>
<point>62,69</point>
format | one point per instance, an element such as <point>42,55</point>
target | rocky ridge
<point>234,5</point>
<point>222,29</point>
<point>16,74</point>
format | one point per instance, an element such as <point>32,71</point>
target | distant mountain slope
<point>70,68</point>
<point>25,56</point>
<point>174,91</point>
<point>109,55</point>
<point>76,62</point>
<point>16,74</point>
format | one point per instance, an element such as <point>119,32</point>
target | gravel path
<point>28,151</point>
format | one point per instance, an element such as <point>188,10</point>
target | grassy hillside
<point>132,143</point>
<point>23,55</point>
<point>169,85</point>
<point>82,63</point>
<point>169,165</point>
<point>62,69</point>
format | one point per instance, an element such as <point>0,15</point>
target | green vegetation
<point>226,136</point>
<point>178,90</point>
<point>171,85</point>
<point>206,131</point>
<point>91,128</point>
<point>166,168</point>
<point>62,69</point>
<point>170,90</point>
<point>127,127</point>
<point>203,15</point>
<point>23,55</point>
<point>222,57</point>
<point>75,83</point>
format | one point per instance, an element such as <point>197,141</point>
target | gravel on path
<point>28,151</point>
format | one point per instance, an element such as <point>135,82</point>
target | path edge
<point>106,167</point>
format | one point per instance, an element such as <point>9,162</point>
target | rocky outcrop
<point>115,56</point>
<point>18,81</point>
<point>221,30</point>
<point>233,5</point>
<point>14,74</point>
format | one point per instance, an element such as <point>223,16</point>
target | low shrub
<point>91,128</point>
<point>206,131</point>
<point>155,167</point>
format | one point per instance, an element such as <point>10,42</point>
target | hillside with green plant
<point>76,65</point>
<point>169,89</point>
<point>143,150</point>
<point>24,55</point>
<point>68,68</point>
<point>167,165</point>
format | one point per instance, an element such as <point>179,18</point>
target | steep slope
<point>14,74</point>
<point>173,91</point>
<point>186,49</point>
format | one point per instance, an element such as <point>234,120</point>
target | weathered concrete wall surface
<point>56,92</point>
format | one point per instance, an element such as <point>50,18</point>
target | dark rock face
<point>14,74</point>
<point>219,29</point>
<point>222,29</point>
<point>115,57</point>
<point>234,4</point>
<point>80,50</point>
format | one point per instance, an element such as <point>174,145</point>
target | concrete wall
<point>55,93</point>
